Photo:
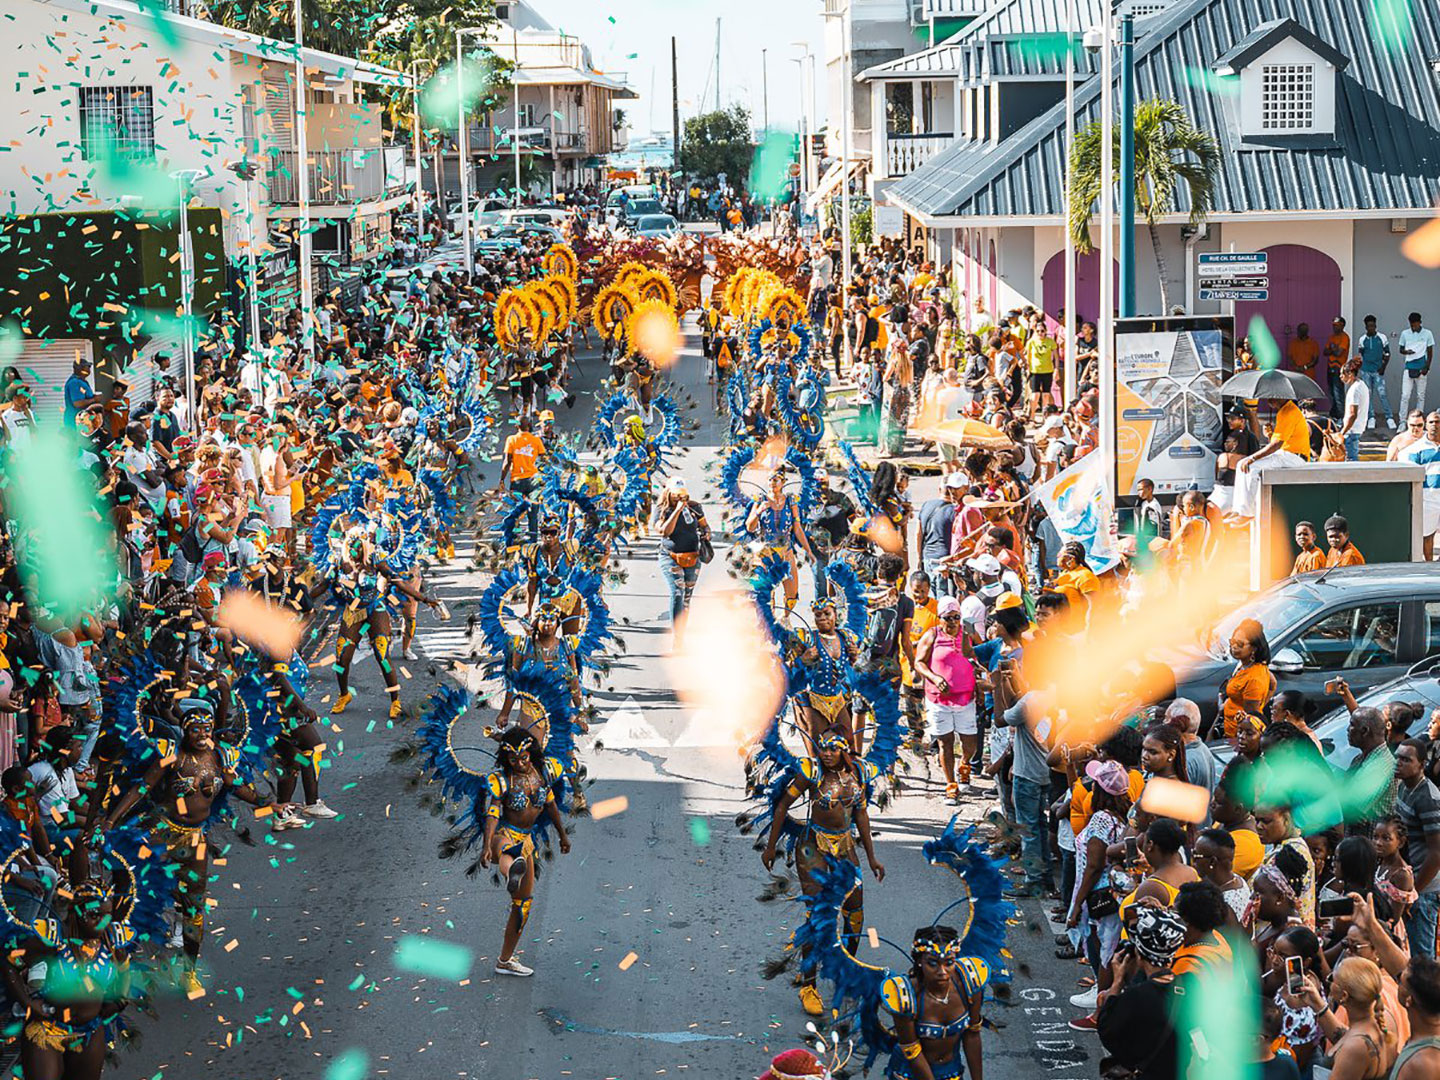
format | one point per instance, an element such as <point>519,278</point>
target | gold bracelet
<point>911,1050</point>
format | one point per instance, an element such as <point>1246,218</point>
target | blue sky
<point>643,28</point>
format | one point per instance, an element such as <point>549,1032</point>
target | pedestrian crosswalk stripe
<point>627,727</point>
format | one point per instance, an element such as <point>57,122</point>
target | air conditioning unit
<point>502,12</point>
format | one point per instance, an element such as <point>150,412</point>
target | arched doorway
<point>1304,288</point>
<point>1087,285</point>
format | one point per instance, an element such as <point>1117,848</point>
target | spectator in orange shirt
<point>1342,551</point>
<point>1337,351</point>
<point>1304,351</point>
<point>520,465</point>
<point>1310,557</point>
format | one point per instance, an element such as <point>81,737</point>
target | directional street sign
<point>1235,283</point>
<point>1253,295</point>
<point>1234,275</point>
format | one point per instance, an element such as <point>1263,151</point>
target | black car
<point>638,208</point>
<point>1370,624</point>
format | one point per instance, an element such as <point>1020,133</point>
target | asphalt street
<point>300,962</point>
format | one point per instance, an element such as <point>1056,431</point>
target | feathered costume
<point>861,988</point>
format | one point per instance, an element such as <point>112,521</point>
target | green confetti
<point>1220,1013</point>
<point>426,956</point>
<point>1393,24</point>
<point>770,167</point>
<point>65,563</point>
<point>1262,344</point>
<point>699,832</point>
<point>353,1064</point>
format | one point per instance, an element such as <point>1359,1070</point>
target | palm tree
<point>1170,152</point>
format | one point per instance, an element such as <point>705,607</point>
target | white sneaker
<point>287,819</point>
<point>1086,1000</point>
<point>410,653</point>
<point>177,937</point>
<point>318,809</point>
<point>513,967</point>
<point>1390,424</point>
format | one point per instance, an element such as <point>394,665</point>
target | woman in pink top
<point>944,660</point>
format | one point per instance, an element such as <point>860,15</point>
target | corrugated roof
<point>1265,37</point>
<point>1385,155</point>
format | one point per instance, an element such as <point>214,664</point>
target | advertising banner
<point>1168,410</point>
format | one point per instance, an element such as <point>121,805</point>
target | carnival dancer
<point>441,461</point>
<point>520,793</point>
<point>828,654</point>
<point>82,960</point>
<point>835,787</point>
<point>362,583</point>
<point>934,1006</point>
<point>546,646</point>
<point>548,565</point>
<point>780,525</point>
<point>185,782</point>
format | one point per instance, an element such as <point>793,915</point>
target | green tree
<point>1170,154</point>
<point>718,142</point>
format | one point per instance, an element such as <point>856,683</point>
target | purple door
<point>1304,287</point>
<point>1087,285</point>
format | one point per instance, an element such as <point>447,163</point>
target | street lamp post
<point>462,144</point>
<point>1107,249</point>
<point>419,170</point>
<point>847,121</point>
<point>302,170</point>
<point>1127,168</point>
<point>186,180</point>
<point>515,93</point>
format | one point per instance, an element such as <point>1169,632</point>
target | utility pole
<point>419,169</point>
<point>765,90</point>
<point>515,90</point>
<point>717,63</point>
<point>674,104</point>
<point>1127,168</point>
<point>1070,389</point>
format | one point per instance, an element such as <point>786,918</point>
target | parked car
<point>1370,624</point>
<point>655,225</point>
<point>510,237</point>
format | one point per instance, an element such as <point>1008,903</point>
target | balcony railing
<point>951,9</point>
<point>906,153</point>
<point>486,140</point>
<point>336,176</point>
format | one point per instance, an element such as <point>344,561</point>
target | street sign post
<point>1234,275</point>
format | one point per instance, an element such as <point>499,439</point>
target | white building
<point>109,98</point>
<point>1328,150</point>
<point>568,119</point>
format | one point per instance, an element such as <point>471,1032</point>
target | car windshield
<point>1333,729</point>
<point>645,206</point>
<point>656,223</point>
<point>1276,610</point>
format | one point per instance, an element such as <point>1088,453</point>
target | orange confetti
<point>609,807</point>
<point>629,961</point>
<point>657,338</point>
<point>1164,797</point>
<point>270,626</point>
<point>1423,245</point>
<point>725,665</point>
<point>874,937</point>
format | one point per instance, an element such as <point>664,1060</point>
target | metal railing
<point>487,140</point>
<point>906,153</point>
<point>336,176</point>
<point>951,9</point>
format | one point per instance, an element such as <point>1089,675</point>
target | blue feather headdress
<point>859,479</point>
